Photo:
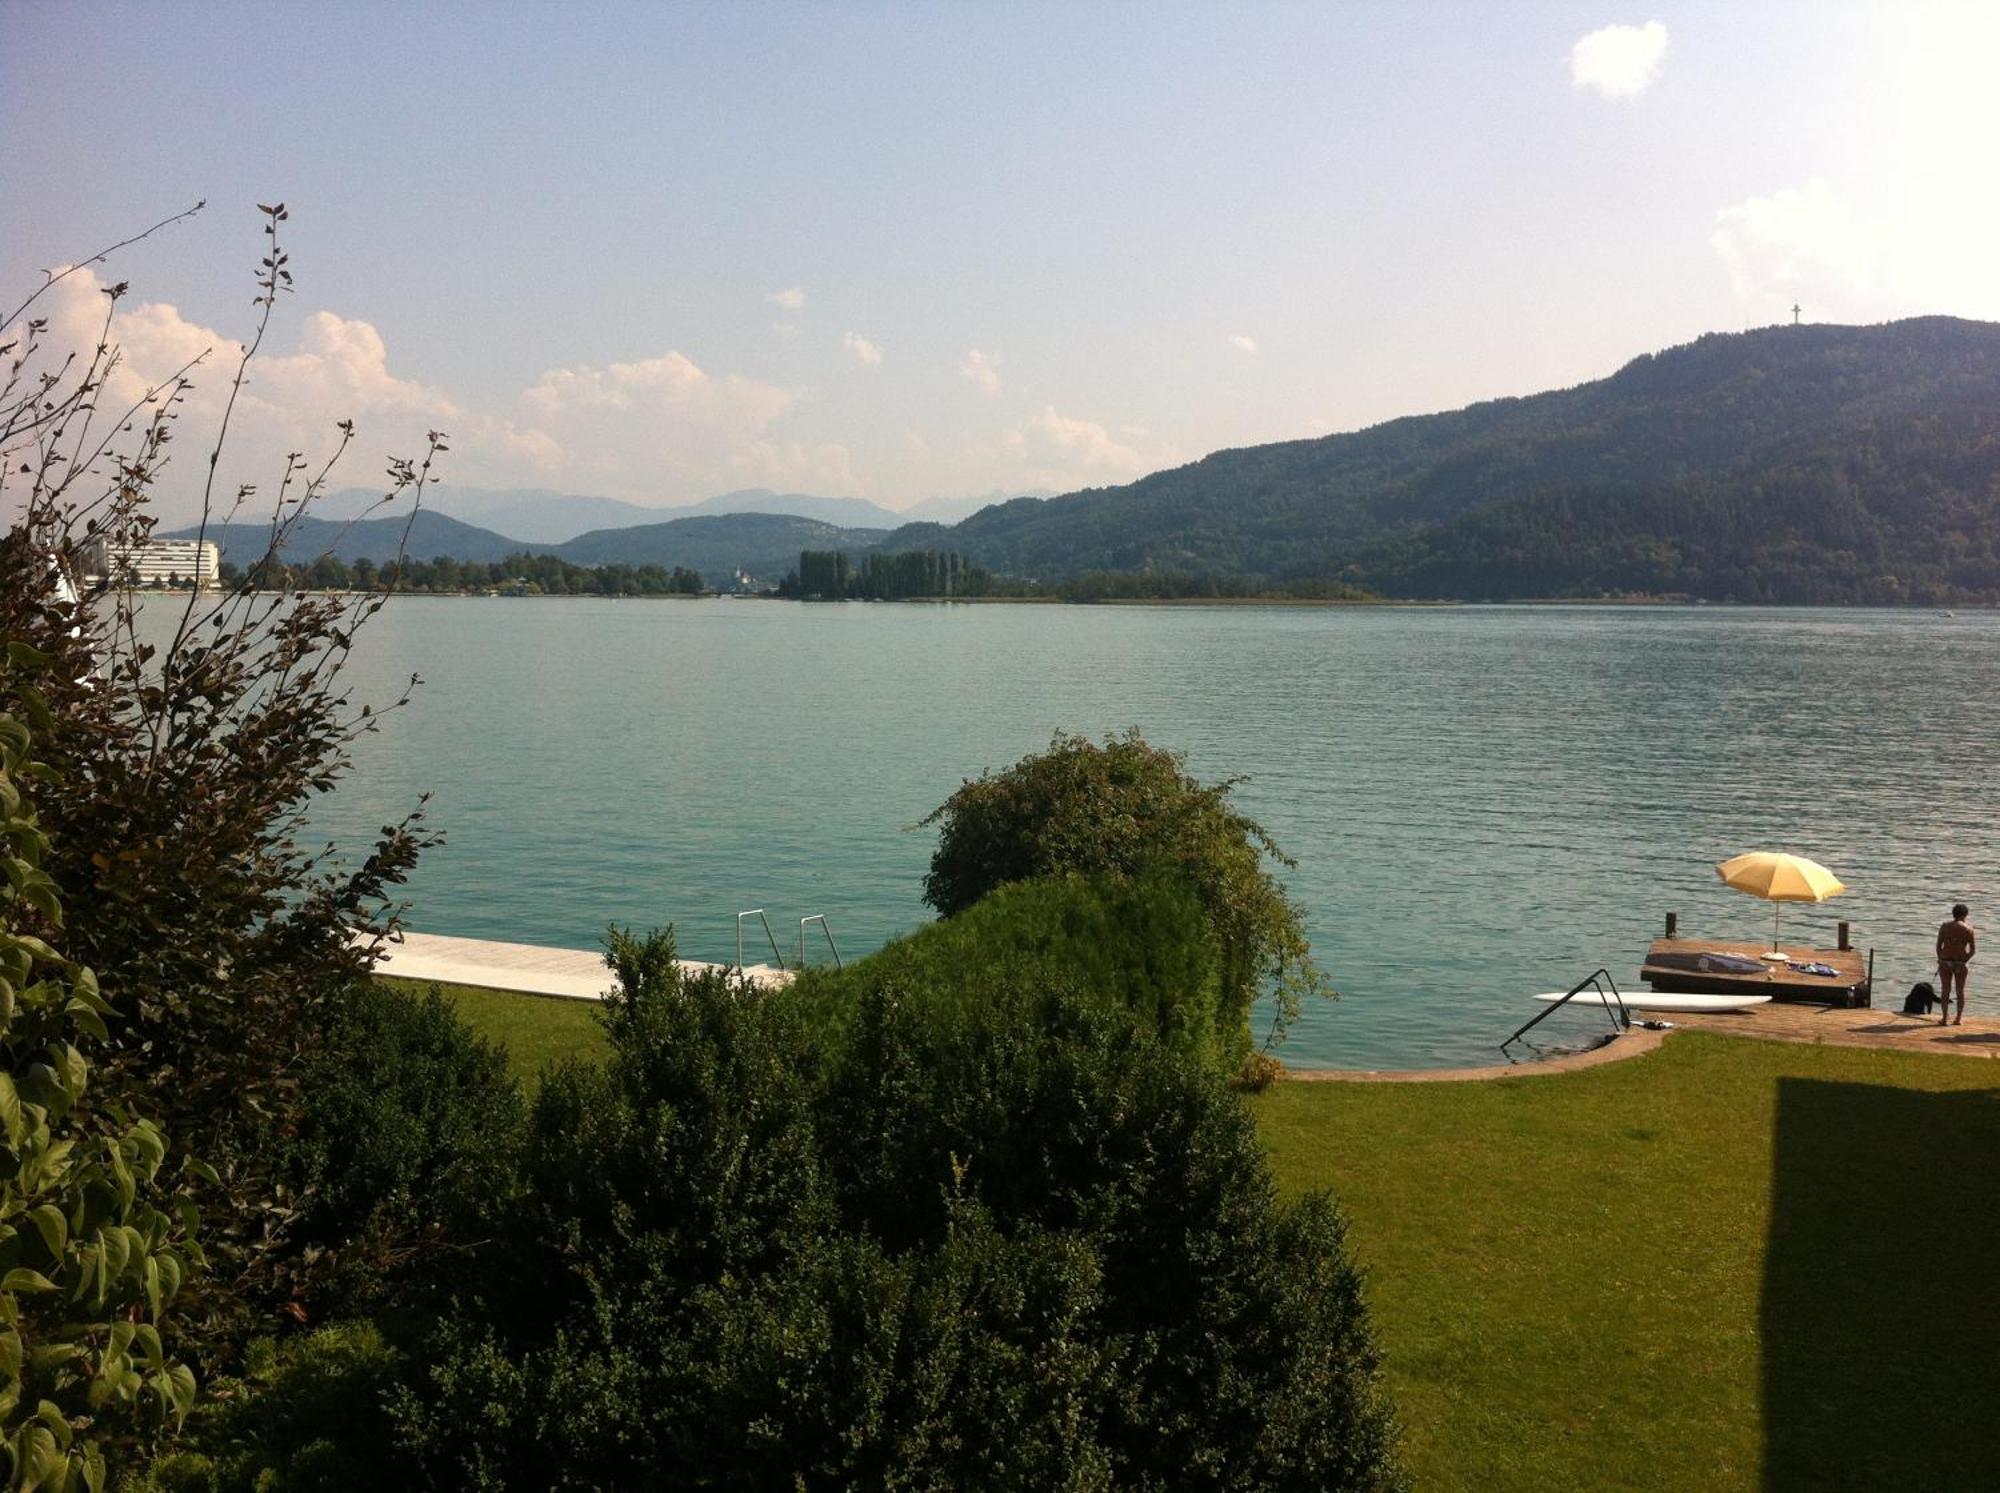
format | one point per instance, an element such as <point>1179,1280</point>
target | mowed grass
<point>1729,1264</point>
<point>536,1030</point>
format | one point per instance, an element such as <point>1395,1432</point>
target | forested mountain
<point>1808,463</point>
<point>377,539</point>
<point>532,515</point>
<point>765,544</point>
<point>844,513</point>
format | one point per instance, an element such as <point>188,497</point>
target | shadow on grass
<point>1881,1326</point>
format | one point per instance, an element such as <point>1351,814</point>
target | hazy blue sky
<point>903,250</point>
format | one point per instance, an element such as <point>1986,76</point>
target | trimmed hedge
<point>1141,944</point>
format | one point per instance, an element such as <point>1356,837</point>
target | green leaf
<point>12,1121</point>
<point>41,896</point>
<point>182,1379</point>
<point>21,1279</point>
<point>144,1138</point>
<point>41,1460</point>
<point>87,1020</point>
<point>53,1227</point>
<point>115,1249</point>
<point>26,656</point>
<point>37,948</point>
<point>75,1072</point>
<point>52,1417</point>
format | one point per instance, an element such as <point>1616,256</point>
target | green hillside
<point>1814,463</point>
<point>423,537</point>
<point>765,544</point>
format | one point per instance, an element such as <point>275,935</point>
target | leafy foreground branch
<point>96,1228</point>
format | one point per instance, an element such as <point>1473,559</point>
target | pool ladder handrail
<point>1621,1022</point>
<point>770,937</point>
<point>824,927</point>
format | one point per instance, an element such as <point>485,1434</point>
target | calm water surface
<point>1483,802</point>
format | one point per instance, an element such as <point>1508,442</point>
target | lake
<point>1483,802</point>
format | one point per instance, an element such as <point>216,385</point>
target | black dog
<point>1923,995</point>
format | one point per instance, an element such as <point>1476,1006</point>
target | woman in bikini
<point>1955,948</point>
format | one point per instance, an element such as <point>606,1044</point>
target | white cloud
<point>789,300</point>
<point>981,370</point>
<point>1243,344</point>
<point>1053,450</point>
<point>650,427</point>
<point>1804,242</point>
<point>1619,61</point>
<point>784,329</point>
<point>864,351</point>
<point>660,424</point>
<point>291,401</point>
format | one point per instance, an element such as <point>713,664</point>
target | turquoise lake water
<point>1483,802</point>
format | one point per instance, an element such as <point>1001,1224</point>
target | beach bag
<point>1921,998</point>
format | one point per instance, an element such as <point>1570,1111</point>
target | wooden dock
<point>1704,966</point>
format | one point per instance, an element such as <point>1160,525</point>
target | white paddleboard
<point>1659,1001</point>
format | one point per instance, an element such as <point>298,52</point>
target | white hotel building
<point>167,561</point>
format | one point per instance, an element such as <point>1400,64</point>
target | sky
<point>900,251</point>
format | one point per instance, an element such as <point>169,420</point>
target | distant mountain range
<point>1791,464</point>
<point>540,516</point>
<point>765,545</point>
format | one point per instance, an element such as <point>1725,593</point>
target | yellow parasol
<point>1778,878</point>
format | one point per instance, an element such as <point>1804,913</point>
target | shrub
<point>94,1225</point>
<point>1016,1242</point>
<point>1140,943</point>
<point>1126,808</point>
<point>407,1148</point>
<point>1061,1114</point>
<point>303,1416</point>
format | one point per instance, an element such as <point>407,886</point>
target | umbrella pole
<point>1776,909</point>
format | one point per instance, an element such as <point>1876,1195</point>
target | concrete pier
<point>572,974</point>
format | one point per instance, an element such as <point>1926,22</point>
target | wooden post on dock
<point>1843,936</point>
<point>1674,922</point>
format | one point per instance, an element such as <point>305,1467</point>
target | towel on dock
<point>1706,963</point>
<point>1731,964</point>
<point>1814,968</point>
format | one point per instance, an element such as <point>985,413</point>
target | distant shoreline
<point>1354,602</point>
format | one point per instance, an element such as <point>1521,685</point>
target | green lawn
<point>536,1030</point>
<point>1730,1264</point>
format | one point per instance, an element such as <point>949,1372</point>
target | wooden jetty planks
<point>1672,965</point>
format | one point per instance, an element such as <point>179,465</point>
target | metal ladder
<point>777,958</point>
<point>1621,1021</point>
<point>824,927</point>
<point>771,938</point>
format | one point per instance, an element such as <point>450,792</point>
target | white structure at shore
<point>165,561</point>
